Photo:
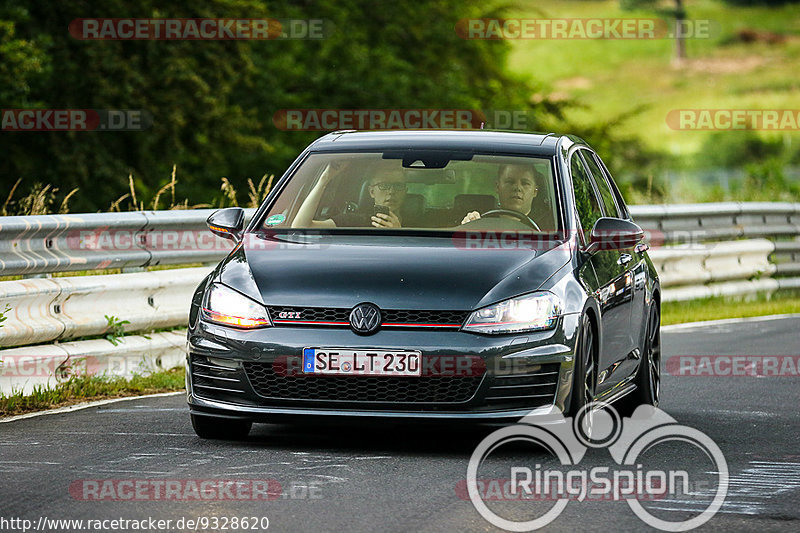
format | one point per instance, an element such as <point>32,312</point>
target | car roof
<point>481,141</point>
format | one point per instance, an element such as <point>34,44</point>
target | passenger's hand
<point>331,171</point>
<point>472,215</point>
<point>383,220</point>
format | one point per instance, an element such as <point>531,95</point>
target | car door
<point>637,267</point>
<point>615,286</point>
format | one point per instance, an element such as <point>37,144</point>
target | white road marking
<point>86,405</point>
<point>725,321</point>
<point>749,491</point>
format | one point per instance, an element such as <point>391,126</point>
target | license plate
<point>348,362</point>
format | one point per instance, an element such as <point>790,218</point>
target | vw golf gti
<point>427,275</point>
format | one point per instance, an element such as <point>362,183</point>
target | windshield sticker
<point>272,220</point>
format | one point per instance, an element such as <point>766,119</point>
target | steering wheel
<point>516,214</point>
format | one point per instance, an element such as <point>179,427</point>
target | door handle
<point>624,259</point>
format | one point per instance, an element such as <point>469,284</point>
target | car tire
<point>648,376</point>
<point>585,376</point>
<point>210,427</point>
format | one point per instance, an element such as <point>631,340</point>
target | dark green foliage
<point>212,102</point>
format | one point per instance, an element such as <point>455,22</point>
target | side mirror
<point>227,223</point>
<point>614,234</point>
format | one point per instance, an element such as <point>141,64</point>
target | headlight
<point>533,312</point>
<point>228,307</point>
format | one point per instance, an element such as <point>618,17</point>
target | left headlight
<point>229,308</point>
<point>532,312</point>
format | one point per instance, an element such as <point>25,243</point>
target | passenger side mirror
<point>614,234</point>
<point>227,223</point>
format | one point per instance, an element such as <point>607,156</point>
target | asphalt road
<point>400,478</point>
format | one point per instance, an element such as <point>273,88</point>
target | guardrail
<point>24,368</point>
<point>53,309</point>
<point>692,265</point>
<point>681,223</point>
<point>98,241</point>
<point>59,309</point>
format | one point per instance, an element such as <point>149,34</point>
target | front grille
<point>289,315</point>
<point>337,316</point>
<point>439,318</point>
<point>535,388</point>
<point>362,389</point>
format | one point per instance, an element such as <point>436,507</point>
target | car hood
<point>393,272</point>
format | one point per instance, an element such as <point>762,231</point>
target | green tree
<point>212,102</point>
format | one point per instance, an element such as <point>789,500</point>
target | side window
<point>585,197</point>
<point>602,185</point>
<point>620,201</point>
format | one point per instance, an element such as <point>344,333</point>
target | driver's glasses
<point>396,187</point>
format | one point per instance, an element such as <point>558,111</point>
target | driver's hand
<point>382,220</point>
<point>472,215</point>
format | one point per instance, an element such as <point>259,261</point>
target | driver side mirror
<point>614,234</point>
<point>227,223</point>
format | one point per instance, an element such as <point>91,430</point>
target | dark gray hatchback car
<point>439,275</point>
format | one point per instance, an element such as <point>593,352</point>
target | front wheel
<point>209,427</point>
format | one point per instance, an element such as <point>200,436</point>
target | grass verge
<point>80,389</point>
<point>778,303</point>
<point>609,77</point>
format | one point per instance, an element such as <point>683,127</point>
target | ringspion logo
<point>557,483</point>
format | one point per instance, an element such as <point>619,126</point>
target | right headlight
<point>532,312</point>
<point>227,307</point>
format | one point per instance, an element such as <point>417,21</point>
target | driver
<point>516,188</point>
<point>388,190</point>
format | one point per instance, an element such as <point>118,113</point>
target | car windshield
<point>423,190</point>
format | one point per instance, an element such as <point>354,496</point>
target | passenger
<point>388,190</point>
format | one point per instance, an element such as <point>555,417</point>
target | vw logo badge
<point>365,318</point>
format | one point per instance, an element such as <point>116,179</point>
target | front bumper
<point>520,374</point>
